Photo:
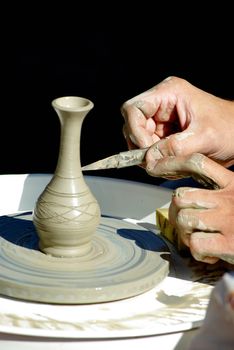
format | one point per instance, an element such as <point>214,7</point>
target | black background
<point>107,64</point>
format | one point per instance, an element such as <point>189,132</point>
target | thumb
<point>202,168</point>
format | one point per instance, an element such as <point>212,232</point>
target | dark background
<point>107,65</point>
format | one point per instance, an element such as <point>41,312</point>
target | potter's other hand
<point>204,218</point>
<point>181,119</point>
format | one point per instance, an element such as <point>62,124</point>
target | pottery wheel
<point>124,261</point>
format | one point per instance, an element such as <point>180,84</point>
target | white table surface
<point>131,201</point>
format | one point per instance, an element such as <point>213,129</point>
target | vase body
<point>67,214</point>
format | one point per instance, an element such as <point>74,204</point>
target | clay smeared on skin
<point>197,165</point>
<point>181,191</point>
<point>227,257</point>
<point>139,104</point>
<point>192,203</point>
<point>178,167</point>
<point>148,109</point>
<point>193,166</point>
<point>156,153</point>
<point>193,222</point>
<point>196,162</point>
<point>183,135</point>
<point>197,204</point>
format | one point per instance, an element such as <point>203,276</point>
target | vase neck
<point>68,164</point>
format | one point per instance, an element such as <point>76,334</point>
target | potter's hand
<point>204,218</point>
<point>181,119</point>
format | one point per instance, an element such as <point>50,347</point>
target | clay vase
<point>67,214</point>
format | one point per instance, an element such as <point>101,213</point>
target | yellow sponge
<point>167,229</point>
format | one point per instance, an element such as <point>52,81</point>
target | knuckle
<point>175,147</point>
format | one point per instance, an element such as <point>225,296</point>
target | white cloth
<point>217,331</point>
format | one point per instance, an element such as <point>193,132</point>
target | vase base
<point>70,252</point>
<point>124,261</point>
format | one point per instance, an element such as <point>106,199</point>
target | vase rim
<point>72,103</point>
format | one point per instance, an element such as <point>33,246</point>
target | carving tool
<point>136,157</point>
<point>119,160</point>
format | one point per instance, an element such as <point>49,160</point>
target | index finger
<point>140,129</point>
